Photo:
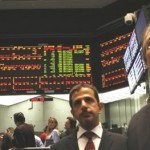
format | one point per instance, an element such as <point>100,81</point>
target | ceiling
<point>53,4</point>
<point>106,97</point>
<point>65,4</point>
<point>63,17</point>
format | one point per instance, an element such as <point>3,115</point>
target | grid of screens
<point>54,68</point>
<point>136,71</point>
<point>44,69</point>
<point>132,58</point>
<point>113,70</point>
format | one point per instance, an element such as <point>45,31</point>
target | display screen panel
<point>113,70</point>
<point>139,66</point>
<point>131,80</point>
<point>136,67</point>
<point>44,69</point>
<point>127,59</point>
<point>133,45</point>
<point>136,72</point>
<point>131,51</point>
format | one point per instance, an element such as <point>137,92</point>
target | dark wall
<point>71,22</point>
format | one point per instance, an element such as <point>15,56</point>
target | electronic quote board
<point>113,70</point>
<point>135,67</point>
<point>131,51</point>
<point>136,71</point>
<point>133,58</point>
<point>44,69</point>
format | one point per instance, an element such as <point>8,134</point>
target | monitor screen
<point>139,66</point>
<point>133,59</point>
<point>131,51</point>
<point>127,59</point>
<point>133,45</point>
<point>136,72</point>
<point>133,63</point>
<point>131,79</point>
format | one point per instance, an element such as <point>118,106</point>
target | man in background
<point>70,126</point>
<point>23,133</point>
<point>139,127</point>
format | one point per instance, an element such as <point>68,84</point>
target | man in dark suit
<point>139,127</point>
<point>85,107</point>
<point>23,133</point>
<point>70,126</point>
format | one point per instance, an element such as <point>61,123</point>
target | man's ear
<point>101,106</point>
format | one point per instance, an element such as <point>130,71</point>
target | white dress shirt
<point>82,140</point>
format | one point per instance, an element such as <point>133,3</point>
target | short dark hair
<point>78,87</point>
<point>19,117</point>
<point>73,122</point>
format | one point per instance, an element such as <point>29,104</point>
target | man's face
<point>67,124</point>
<point>85,108</point>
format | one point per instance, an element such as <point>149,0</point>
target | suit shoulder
<point>116,136</point>
<point>141,116</point>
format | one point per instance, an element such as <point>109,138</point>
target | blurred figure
<point>124,128</point>
<point>44,134</point>
<point>70,126</point>
<point>7,139</point>
<point>23,133</point>
<point>139,127</point>
<point>53,135</point>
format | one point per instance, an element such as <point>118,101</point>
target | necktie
<point>90,144</point>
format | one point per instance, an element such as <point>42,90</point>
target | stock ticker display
<point>113,70</point>
<point>43,69</point>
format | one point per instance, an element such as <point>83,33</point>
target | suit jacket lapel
<point>106,141</point>
<point>105,144</point>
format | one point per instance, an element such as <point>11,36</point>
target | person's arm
<point>55,136</point>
